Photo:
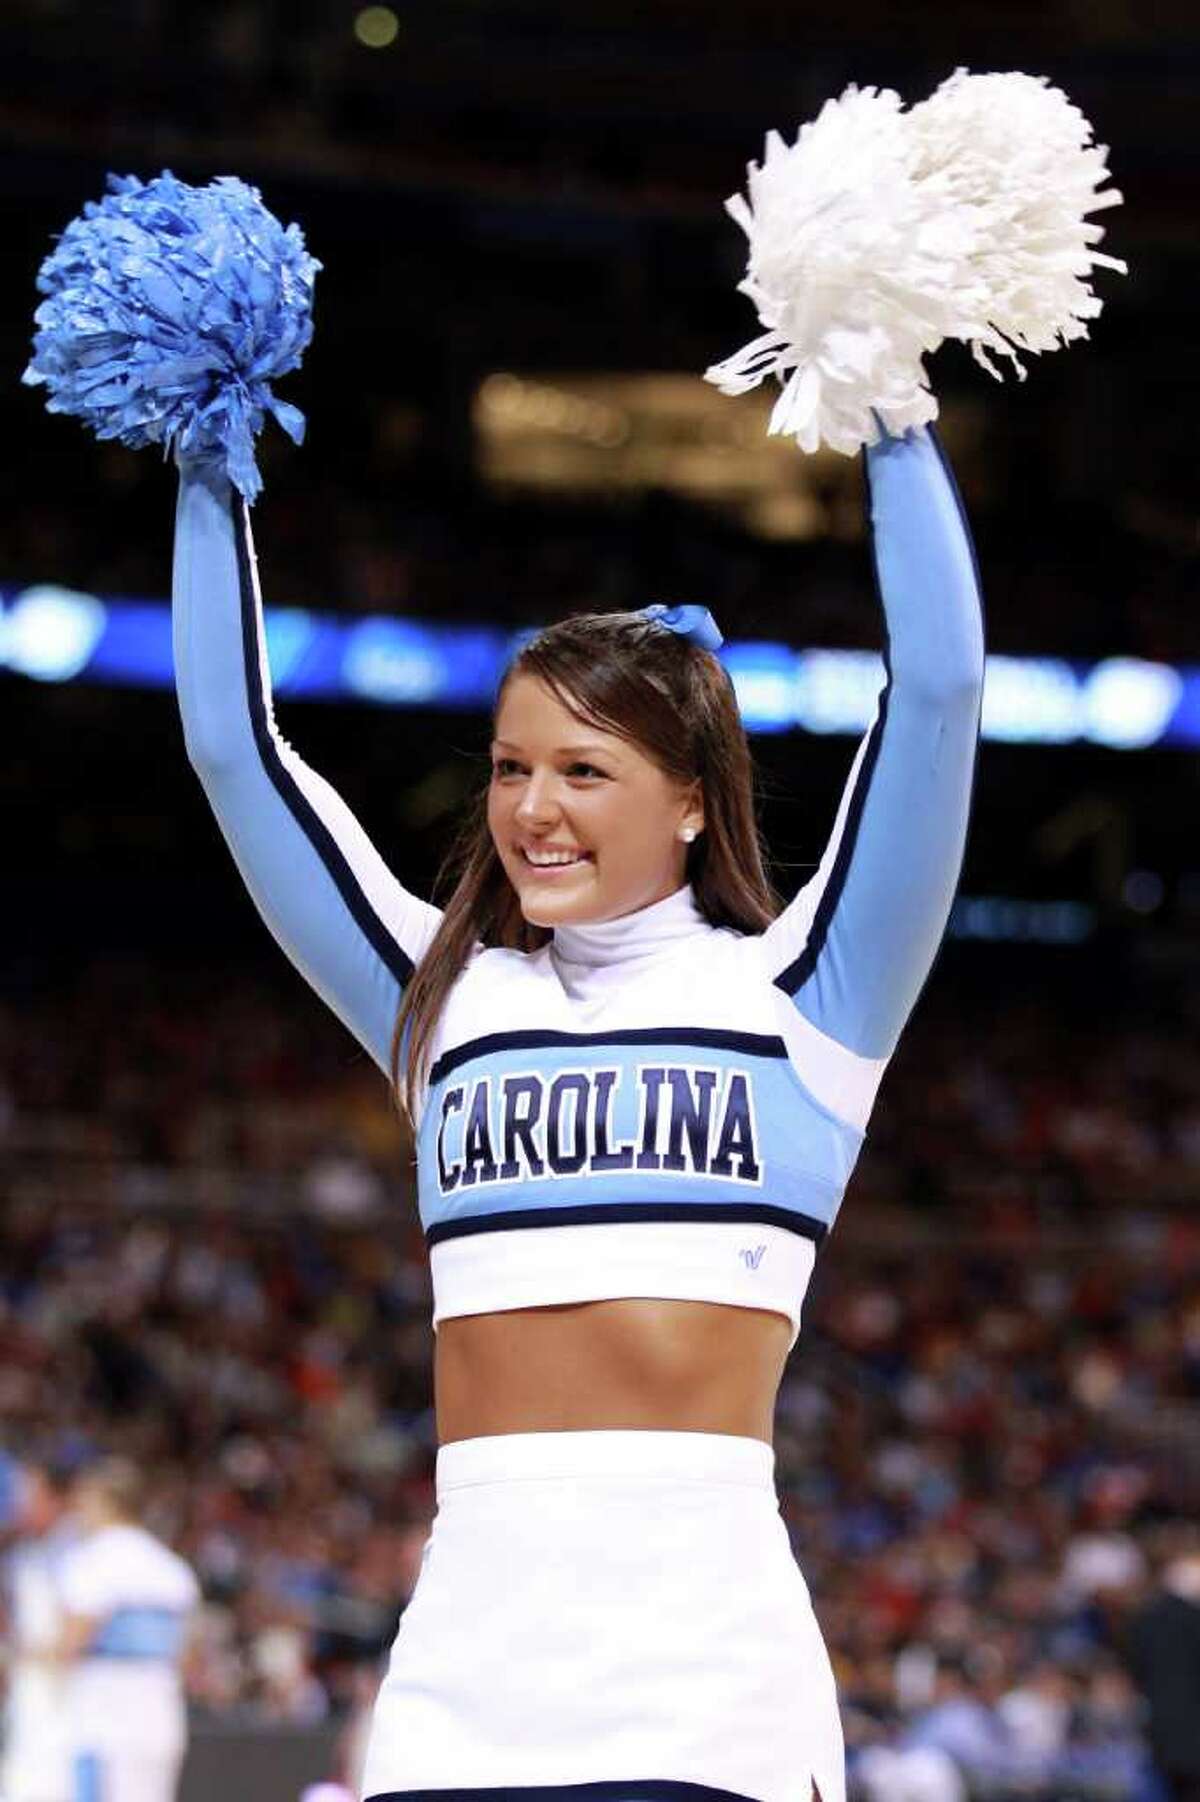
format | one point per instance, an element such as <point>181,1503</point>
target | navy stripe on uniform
<point>756,1044</point>
<point>798,972</point>
<point>583,1215</point>
<point>624,1789</point>
<point>392,955</point>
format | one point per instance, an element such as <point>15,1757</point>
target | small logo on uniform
<point>753,1258</point>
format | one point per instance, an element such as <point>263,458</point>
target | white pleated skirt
<point>610,1616</point>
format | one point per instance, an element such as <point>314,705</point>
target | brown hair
<point>119,1481</point>
<point>674,701</point>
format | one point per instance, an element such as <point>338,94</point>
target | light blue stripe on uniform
<point>88,1777</point>
<point>716,1141</point>
<point>324,892</point>
<point>882,912</point>
<point>139,1633</point>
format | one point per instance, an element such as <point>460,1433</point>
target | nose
<point>538,803</point>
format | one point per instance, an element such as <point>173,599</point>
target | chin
<point>558,910</point>
<point>542,910</point>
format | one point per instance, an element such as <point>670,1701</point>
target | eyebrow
<point>509,744</point>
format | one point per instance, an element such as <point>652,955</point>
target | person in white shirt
<point>127,1599</point>
<point>35,1766</point>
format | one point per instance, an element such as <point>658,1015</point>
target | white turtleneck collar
<point>646,931</point>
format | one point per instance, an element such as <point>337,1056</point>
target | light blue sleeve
<point>853,949</point>
<point>316,879</point>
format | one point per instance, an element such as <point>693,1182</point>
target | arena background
<point>989,1435</point>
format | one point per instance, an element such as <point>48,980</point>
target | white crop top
<point>647,1106</point>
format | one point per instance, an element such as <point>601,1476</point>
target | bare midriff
<point>685,1366</point>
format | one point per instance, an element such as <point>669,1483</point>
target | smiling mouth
<point>545,869</point>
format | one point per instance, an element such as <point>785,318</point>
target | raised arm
<point>853,949</point>
<point>316,879</point>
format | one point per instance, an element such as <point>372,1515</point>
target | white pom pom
<point>878,234</point>
<point>850,274</point>
<point>1017,161</point>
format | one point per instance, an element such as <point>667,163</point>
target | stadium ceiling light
<point>376,27</point>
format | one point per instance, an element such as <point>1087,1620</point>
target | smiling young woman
<point>585,830</point>
<point>638,1085</point>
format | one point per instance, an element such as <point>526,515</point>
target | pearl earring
<point>688,834</point>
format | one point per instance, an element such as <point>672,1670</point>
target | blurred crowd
<point>988,1437</point>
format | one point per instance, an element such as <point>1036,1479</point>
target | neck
<point>643,933</point>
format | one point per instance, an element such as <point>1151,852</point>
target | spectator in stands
<point>35,1766</point>
<point>126,1601</point>
<point>1164,1653</point>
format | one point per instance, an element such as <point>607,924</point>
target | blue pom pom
<point>169,312</point>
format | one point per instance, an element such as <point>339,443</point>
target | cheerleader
<point>638,1084</point>
<point>645,1091</point>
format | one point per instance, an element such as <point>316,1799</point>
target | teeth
<point>542,859</point>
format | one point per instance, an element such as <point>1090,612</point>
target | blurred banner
<point>54,634</point>
<point>272,1764</point>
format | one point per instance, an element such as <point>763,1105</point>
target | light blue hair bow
<point>696,623</point>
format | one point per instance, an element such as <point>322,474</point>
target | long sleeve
<point>853,949</point>
<point>316,879</point>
